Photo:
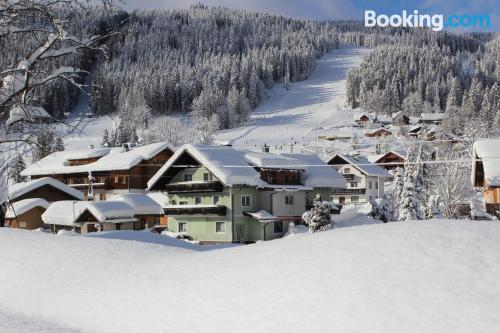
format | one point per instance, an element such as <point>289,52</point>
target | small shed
<point>85,216</point>
<point>400,119</point>
<point>26,214</point>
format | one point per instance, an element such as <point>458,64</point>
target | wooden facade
<point>390,161</point>
<point>108,181</point>
<point>378,133</point>
<point>30,220</point>
<point>47,192</point>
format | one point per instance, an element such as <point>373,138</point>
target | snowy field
<point>293,115</point>
<point>425,276</point>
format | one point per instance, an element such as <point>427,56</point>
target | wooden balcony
<point>196,210</point>
<point>348,176</point>
<point>348,191</point>
<point>194,187</point>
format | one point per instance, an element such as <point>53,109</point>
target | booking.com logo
<point>435,22</point>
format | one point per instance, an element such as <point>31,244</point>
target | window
<point>207,176</point>
<point>182,227</point>
<point>376,185</point>
<point>124,180</point>
<point>370,185</point>
<point>220,227</point>
<point>278,227</point>
<point>188,177</point>
<point>117,179</point>
<point>216,199</point>
<point>197,200</point>
<point>354,199</point>
<point>246,200</point>
<point>289,200</point>
<point>183,202</point>
<point>102,196</point>
<point>354,184</point>
<point>347,170</point>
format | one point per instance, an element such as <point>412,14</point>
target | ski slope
<point>293,116</point>
<point>417,276</point>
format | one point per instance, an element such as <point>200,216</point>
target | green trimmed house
<point>221,194</point>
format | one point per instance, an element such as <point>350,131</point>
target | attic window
<point>188,177</point>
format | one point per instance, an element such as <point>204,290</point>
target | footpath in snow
<point>293,115</point>
<point>421,276</point>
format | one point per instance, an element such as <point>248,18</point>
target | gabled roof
<point>110,159</point>
<point>22,206</point>
<point>237,167</point>
<point>359,115</point>
<point>19,189</point>
<point>377,158</point>
<point>141,203</point>
<point>399,114</point>
<point>363,165</point>
<point>489,152</point>
<point>67,212</point>
<point>375,130</point>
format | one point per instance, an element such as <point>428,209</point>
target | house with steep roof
<point>400,119</point>
<point>103,172</point>
<point>377,133</point>
<point>26,213</point>
<point>47,188</point>
<point>389,160</point>
<point>431,118</point>
<point>221,194</point>
<point>486,172</point>
<point>365,180</point>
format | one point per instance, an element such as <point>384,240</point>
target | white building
<point>365,180</point>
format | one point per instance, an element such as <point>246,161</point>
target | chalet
<point>47,188</point>
<point>362,119</point>
<point>103,172</point>
<point>415,130</point>
<point>365,180</point>
<point>400,119</point>
<point>87,216</point>
<point>486,172</point>
<point>432,118</point>
<point>389,161</point>
<point>221,194</point>
<point>26,213</point>
<point>146,210</point>
<point>383,120</point>
<point>377,133</point>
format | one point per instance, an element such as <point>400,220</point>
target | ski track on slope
<point>293,115</point>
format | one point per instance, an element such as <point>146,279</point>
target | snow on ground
<point>422,276</point>
<point>293,115</point>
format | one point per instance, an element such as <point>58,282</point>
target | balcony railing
<point>348,191</point>
<point>349,176</point>
<point>192,210</point>
<point>188,187</point>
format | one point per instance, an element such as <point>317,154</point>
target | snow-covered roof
<point>272,161</point>
<point>160,198</point>
<point>318,173</point>
<point>432,116</point>
<point>114,159</point>
<point>364,165</point>
<point>262,216</point>
<point>22,206</point>
<point>489,152</point>
<point>141,203</point>
<point>67,212</point>
<point>375,130</point>
<point>399,114</point>
<point>359,115</point>
<point>26,113</point>
<point>234,167</point>
<point>376,158</point>
<point>383,119</point>
<point>19,189</point>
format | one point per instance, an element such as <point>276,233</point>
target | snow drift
<point>436,276</point>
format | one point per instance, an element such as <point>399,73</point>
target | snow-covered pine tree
<point>105,139</point>
<point>410,204</point>
<point>319,217</point>
<point>58,145</point>
<point>16,167</point>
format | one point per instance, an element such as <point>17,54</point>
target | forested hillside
<point>423,71</point>
<point>214,62</point>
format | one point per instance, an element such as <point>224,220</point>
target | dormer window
<point>188,177</point>
<point>207,176</point>
<point>347,170</point>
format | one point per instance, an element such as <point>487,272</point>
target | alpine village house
<point>221,194</point>
<point>486,173</point>
<point>103,172</point>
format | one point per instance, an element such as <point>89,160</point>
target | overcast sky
<point>338,9</point>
